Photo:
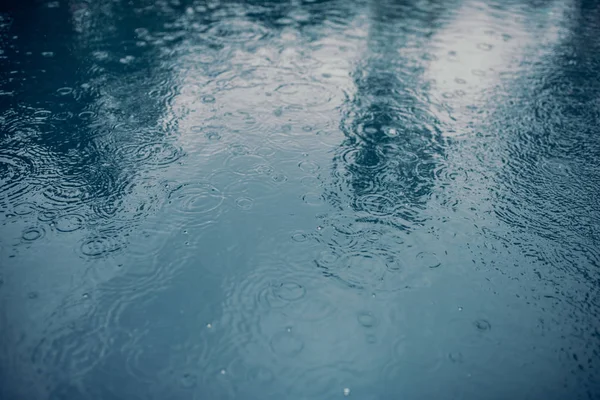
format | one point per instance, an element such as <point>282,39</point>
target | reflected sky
<point>298,199</point>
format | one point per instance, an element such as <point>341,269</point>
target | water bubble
<point>188,381</point>
<point>366,319</point>
<point>429,260</point>
<point>346,391</point>
<point>327,258</point>
<point>309,167</point>
<point>279,178</point>
<point>299,237</point>
<point>69,222</point>
<point>64,91</point>
<point>196,198</point>
<point>373,235</point>
<point>24,208</point>
<point>377,204</point>
<point>212,136</point>
<point>100,246</point>
<point>360,270</point>
<point>482,325</point>
<point>86,115</point>
<point>245,203</point>
<point>33,233</point>
<point>391,132</point>
<point>313,199</point>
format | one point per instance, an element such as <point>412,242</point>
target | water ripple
<point>235,31</point>
<point>14,173</point>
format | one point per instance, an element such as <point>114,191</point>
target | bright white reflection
<point>477,51</point>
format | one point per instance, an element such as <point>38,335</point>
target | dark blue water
<point>299,199</point>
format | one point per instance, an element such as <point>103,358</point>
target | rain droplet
<point>366,319</point>
<point>482,325</point>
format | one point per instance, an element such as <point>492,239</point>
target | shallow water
<point>299,199</point>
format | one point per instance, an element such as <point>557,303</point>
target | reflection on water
<point>307,199</point>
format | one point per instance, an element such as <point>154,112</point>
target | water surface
<point>299,199</point>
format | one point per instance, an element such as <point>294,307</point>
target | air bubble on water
<point>209,326</point>
<point>85,296</point>
<point>460,308</point>
<point>223,372</point>
<point>319,228</point>
<point>346,391</point>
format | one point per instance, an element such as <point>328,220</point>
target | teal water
<point>299,199</point>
